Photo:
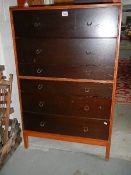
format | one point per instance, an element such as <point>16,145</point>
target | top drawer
<point>93,22</point>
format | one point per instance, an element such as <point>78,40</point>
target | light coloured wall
<point>124,16</point>
<point>126,1</point>
<point>6,50</point>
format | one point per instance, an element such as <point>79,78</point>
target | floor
<point>50,157</point>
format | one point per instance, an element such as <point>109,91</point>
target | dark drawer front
<point>44,23</point>
<point>94,22</point>
<point>97,129</point>
<point>80,72</point>
<point>97,22</point>
<point>67,51</point>
<point>66,88</point>
<point>67,105</point>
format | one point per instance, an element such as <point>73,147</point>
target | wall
<point>6,50</point>
<point>124,16</point>
<point>126,1</point>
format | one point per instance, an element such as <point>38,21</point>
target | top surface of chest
<point>67,21</point>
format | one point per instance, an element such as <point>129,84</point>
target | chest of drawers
<point>66,62</point>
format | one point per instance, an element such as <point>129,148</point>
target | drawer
<point>66,51</point>
<point>66,88</point>
<point>97,22</point>
<point>43,23</point>
<point>67,105</point>
<point>64,71</point>
<point>67,22</point>
<point>91,128</point>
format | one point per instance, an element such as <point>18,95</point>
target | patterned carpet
<point>123,92</point>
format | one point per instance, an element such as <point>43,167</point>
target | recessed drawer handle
<point>41,104</point>
<point>86,108</point>
<point>88,52</point>
<point>100,107</point>
<point>39,70</point>
<point>85,129</point>
<point>38,51</point>
<point>87,90</point>
<point>37,24</point>
<point>89,23</point>
<point>40,86</point>
<point>42,124</point>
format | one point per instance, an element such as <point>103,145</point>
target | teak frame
<point>27,133</point>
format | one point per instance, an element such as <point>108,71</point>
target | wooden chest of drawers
<point>66,62</point>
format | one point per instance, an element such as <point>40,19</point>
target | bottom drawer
<point>92,128</point>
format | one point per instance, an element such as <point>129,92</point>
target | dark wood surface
<point>76,72</point>
<point>79,23</point>
<point>92,128</point>
<point>66,88</point>
<point>67,105</point>
<point>75,58</point>
<point>98,52</point>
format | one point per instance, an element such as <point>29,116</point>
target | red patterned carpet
<point>123,92</point>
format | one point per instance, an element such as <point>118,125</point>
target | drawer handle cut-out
<point>40,86</point>
<point>41,104</point>
<point>87,90</point>
<point>38,51</point>
<point>89,23</point>
<point>88,52</point>
<point>37,24</point>
<point>85,129</point>
<point>42,124</point>
<point>100,107</point>
<point>39,70</point>
<point>86,108</point>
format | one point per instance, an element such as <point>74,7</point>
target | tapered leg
<point>26,144</point>
<point>107,157</point>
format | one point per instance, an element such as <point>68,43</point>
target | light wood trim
<point>66,79</point>
<point>107,156</point>
<point>66,138</point>
<point>65,6</point>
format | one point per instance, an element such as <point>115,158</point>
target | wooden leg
<point>26,144</point>
<point>107,157</point>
